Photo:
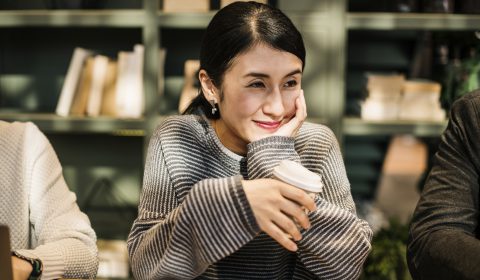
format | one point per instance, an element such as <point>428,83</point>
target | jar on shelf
<point>438,6</point>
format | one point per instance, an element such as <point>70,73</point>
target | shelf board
<point>359,127</point>
<point>53,123</point>
<point>72,18</point>
<point>185,20</point>
<point>413,21</point>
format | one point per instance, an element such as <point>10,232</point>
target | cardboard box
<point>224,3</point>
<point>182,6</point>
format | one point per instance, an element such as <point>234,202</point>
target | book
<point>70,83</point>
<point>384,96</point>
<point>108,97</point>
<point>190,90</point>
<point>81,95</point>
<point>162,54</point>
<point>129,95</point>
<point>421,101</point>
<point>99,73</point>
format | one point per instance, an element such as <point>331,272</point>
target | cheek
<point>247,105</point>
<point>289,103</point>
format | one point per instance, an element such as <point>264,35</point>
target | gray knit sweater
<point>35,202</point>
<point>194,219</point>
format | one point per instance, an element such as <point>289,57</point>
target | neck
<point>226,138</point>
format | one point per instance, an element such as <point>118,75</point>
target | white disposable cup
<point>297,175</point>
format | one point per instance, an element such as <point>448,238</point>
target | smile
<point>268,125</point>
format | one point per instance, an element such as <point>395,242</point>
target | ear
<point>208,88</point>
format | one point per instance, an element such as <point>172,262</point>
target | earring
<point>213,102</point>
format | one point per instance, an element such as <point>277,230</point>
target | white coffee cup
<point>296,175</point>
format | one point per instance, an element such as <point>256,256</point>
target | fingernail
<point>294,247</point>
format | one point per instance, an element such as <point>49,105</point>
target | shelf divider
<point>413,21</point>
<point>359,127</point>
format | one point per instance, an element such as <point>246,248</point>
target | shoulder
<point>465,111</point>
<point>471,99</point>
<point>16,132</point>
<point>182,128</point>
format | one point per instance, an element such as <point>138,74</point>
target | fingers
<point>278,235</point>
<point>287,225</point>
<point>300,104</point>
<point>298,196</point>
<point>296,212</point>
<point>304,104</point>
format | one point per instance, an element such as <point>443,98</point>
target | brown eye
<point>256,85</point>
<point>291,83</point>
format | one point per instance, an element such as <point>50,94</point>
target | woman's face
<point>259,92</point>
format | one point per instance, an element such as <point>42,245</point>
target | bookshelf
<point>49,123</point>
<point>98,148</point>
<point>328,30</point>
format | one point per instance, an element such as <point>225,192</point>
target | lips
<point>268,125</point>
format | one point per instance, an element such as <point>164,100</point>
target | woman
<point>50,237</point>
<point>209,207</point>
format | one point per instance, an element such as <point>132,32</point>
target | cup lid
<point>295,174</point>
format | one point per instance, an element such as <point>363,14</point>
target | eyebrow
<point>263,75</point>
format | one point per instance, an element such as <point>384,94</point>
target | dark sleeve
<point>173,239</point>
<point>442,242</point>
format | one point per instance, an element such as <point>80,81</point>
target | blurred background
<point>382,74</point>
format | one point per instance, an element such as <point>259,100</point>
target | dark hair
<point>234,30</point>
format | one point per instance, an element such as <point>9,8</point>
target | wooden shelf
<point>72,18</point>
<point>185,20</point>
<point>359,127</point>
<point>54,123</point>
<point>414,21</point>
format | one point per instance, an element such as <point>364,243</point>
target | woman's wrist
<point>21,268</point>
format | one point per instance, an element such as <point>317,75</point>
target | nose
<point>273,105</point>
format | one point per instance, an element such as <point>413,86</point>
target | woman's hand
<point>276,205</point>
<point>291,128</point>
<point>21,268</point>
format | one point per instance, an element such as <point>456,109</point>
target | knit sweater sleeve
<point>338,242</point>
<point>178,238</point>
<point>66,240</point>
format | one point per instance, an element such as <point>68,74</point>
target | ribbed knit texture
<point>195,221</point>
<point>44,219</point>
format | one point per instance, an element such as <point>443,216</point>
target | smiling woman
<point>260,92</point>
<point>210,207</point>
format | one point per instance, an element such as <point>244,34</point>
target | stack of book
<point>384,95</point>
<point>421,101</point>
<point>391,97</point>
<point>97,85</point>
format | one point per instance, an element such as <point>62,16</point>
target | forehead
<point>265,59</point>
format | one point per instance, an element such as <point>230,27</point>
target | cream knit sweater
<point>44,219</point>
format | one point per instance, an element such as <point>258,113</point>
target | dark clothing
<point>443,240</point>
